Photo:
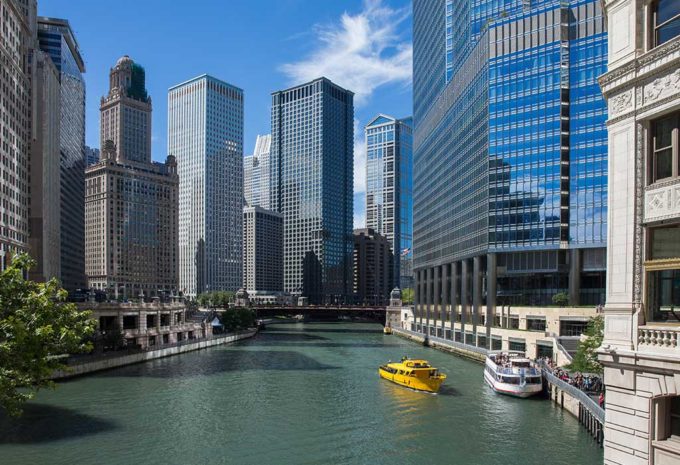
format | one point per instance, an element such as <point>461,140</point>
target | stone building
<point>45,180</point>
<point>149,325</point>
<point>640,351</point>
<point>373,267</point>
<point>131,226</point>
<point>57,39</point>
<point>17,34</point>
<point>262,250</point>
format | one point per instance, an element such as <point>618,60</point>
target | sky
<point>260,46</point>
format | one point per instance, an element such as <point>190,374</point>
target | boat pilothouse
<point>512,374</point>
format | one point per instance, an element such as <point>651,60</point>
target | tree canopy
<point>37,326</point>
<point>585,359</point>
<point>215,299</point>
<point>407,296</point>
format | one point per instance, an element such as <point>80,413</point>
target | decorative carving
<point>662,202</point>
<point>639,180</point>
<point>621,102</point>
<point>662,87</point>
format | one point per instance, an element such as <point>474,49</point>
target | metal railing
<point>445,342</point>
<point>582,397</point>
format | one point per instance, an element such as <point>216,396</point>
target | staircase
<point>570,344</point>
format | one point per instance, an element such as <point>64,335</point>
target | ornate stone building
<point>131,226</point>
<point>640,352</point>
<point>17,36</point>
<point>131,203</point>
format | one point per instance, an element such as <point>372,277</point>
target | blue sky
<point>258,45</point>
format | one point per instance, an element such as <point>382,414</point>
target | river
<point>295,394</point>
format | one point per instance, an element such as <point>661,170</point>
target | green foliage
<point>37,326</point>
<point>215,299</point>
<point>585,359</point>
<point>561,299</point>
<point>236,319</point>
<point>407,296</point>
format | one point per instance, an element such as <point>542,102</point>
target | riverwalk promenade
<point>90,364</point>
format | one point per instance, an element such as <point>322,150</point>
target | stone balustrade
<point>658,338</point>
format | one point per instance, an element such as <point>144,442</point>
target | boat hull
<point>513,390</point>
<point>419,384</point>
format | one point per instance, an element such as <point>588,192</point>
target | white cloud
<point>362,53</point>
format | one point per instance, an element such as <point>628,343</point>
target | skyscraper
<point>373,267</point>
<point>56,38</point>
<point>510,155</point>
<point>131,203</point>
<point>126,112</point>
<point>389,182</point>
<point>17,32</point>
<point>45,168</point>
<point>205,133</point>
<point>256,174</point>
<point>312,164</point>
<point>91,156</point>
<point>262,250</point>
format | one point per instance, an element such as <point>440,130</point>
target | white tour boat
<point>512,374</point>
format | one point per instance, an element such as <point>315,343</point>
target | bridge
<point>324,312</point>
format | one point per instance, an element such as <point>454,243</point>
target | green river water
<point>295,394</point>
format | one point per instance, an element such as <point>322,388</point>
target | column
<point>416,297</point>
<point>428,289</point>
<point>476,292</point>
<point>455,297</point>
<point>423,297</point>
<point>490,293</point>
<point>574,276</point>
<point>436,309</point>
<point>445,298</point>
<point>464,281</point>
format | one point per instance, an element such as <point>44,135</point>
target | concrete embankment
<point>91,365</point>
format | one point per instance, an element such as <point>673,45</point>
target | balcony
<point>658,339</point>
<point>662,201</point>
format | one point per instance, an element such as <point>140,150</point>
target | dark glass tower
<point>57,40</point>
<point>311,159</point>
<point>509,155</point>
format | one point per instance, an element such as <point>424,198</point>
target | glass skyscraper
<point>389,182</point>
<point>510,155</point>
<point>205,133</point>
<point>256,174</point>
<point>56,38</point>
<point>312,163</point>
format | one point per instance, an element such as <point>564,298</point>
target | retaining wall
<point>107,363</point>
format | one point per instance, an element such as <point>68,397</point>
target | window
<point>666,20</point>
<point>665,147</point>
<point>664,295</point>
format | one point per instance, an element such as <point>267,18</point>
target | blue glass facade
<point>510,157</point>
<point>311,163</point>
<point>389,184</point>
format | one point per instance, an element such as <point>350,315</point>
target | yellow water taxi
<point>414,374</point>
<point>387,330</point>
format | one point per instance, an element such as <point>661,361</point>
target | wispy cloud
<point>361,53</point>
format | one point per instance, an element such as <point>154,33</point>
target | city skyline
<point>364,46</point>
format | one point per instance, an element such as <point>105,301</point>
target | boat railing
<point>518,371</point>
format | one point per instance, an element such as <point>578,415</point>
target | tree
<point>561,299</point>
<point>407,296</point>
<point>37,326</point>
<point>585,359</point>
<point>203,299</point>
